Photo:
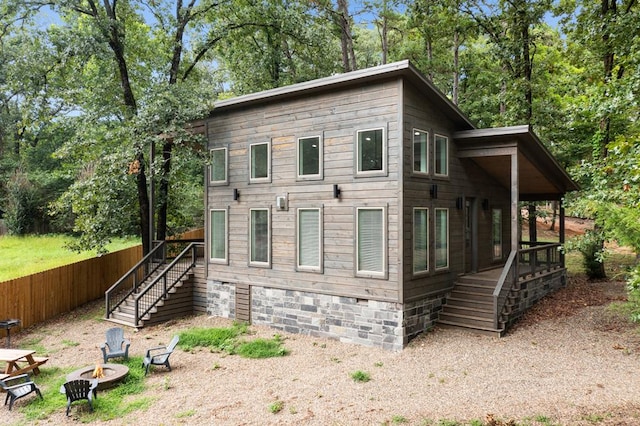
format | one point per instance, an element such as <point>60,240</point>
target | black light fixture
<point>434,191</point>
<point>485,204</point>
<point>236,194</point>
<point>336,191</point>
<point>459,203</point>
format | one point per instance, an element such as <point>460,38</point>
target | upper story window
<point>420,240</point>
<point>310,157</point>
<point>309,253</point>
<point>371,239</point>
<point>259,238</point>
<point>371,148</point>
<point>218,170</point>
<point>420,151</point>
<point>260,162</point>
<point>441,154</point>
<point>218,247</point>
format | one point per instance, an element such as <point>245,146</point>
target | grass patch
<point>228,340</point>
<point>360,376</point>
<point>26,255</point>
<point>276,406</point>
<point>110,404</point>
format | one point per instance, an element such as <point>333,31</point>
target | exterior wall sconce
<point>236,194</point>
<point>434,191</point>
<point>336,191</point>
<point>485,204</point>
<point>459,203</point>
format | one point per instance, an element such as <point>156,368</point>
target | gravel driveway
<point>569,362</point>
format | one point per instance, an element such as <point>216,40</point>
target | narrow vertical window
<point>218,166</point>
<point>310,157</point>
<point>259,238</point>
<point>420,240</point>
<point>371,244</point>
<point>371,149</point>
<point>309,239</point>
<point>442,238</point>
<point>420,151</point>
<point>260,161</point>
<point>496,233</point>
<point>441,155</point>
<point>218,235</point>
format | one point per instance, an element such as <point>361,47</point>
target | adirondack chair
<point>18,386</point>
<point>80,389</point>
<point>161,356</point>
<point>116,345</point>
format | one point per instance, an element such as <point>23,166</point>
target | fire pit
<point>111,374</point>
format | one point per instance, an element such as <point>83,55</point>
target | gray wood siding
<point>335,116</point>
<point>464,180</point>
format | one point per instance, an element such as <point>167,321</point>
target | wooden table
<point>20,361</point>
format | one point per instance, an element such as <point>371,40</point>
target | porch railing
<point>531,259</point>
<point>141,274</point>
<point>157,290</point>
<point>131,281</point>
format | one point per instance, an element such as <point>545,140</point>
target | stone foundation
<point>365,322</point>
<point>531,291</point>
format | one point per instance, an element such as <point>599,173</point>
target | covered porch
<point>490,300</point>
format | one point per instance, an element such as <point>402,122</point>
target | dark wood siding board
<point>335,116</point>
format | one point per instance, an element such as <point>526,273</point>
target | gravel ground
<point>569,362</point>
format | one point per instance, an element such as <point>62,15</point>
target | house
<point>366,207</point>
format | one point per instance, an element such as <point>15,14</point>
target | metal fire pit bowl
<point>113,374</point>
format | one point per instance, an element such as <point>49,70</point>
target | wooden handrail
<point>161,285</point>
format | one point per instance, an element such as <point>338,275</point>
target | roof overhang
<point>395,70</point>
<point>540,176</point>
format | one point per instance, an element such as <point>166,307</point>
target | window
<point>420,240</point>
<point>496,233</point>
<point>371,151</point>
<point>218,235</point>
<point>260,162</point>
<point>371,244</point>
<point>309,240</point>
<point>310,157</point>
<point>218,166</point>
<point>259,238</point>
<point>442,156</point>
<point>442,238</point>
<point>420,151</point>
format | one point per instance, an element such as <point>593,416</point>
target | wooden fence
<point>39,297</point>
<point>42,296</point>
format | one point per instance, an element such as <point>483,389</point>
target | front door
<point>470,235</point>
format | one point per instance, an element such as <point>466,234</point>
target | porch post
<point>561,231</point>
<point>533,229</point>
<point>515,234</point>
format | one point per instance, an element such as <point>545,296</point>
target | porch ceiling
<point>540,177</point>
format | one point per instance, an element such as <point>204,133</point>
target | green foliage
<point>276,406</point>
<point>261,348</point>
<point>227,339</point>
<point>591,246</point>
<point>360,376</point>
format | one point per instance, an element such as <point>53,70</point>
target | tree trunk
<point>163,191</point>
<point>456,67</point>
<point>346,40</point>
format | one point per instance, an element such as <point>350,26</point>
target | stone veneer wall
<point>531,291</point>
<point>365,322</point>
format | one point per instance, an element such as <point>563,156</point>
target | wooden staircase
<point>181,300</point>
<point>470,305</point>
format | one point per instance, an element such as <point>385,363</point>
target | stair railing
<point>131,281</point>
<point>157,290</point>
<point>507,281</point>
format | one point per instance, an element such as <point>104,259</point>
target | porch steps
<point>178,303</point>
<point>469,306</point>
